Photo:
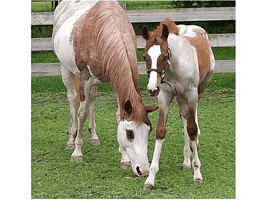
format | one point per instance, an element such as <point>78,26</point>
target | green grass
<point>100,176</point>
<point>45,6</point>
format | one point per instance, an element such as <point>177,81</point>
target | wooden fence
<point>136,16</point>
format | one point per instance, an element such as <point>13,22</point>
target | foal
<point>180,63</point>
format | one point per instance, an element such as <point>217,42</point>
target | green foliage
<point>201,4</point>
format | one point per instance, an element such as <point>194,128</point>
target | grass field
<point>100,176</point>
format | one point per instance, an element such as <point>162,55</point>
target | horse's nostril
<point>138,170</point>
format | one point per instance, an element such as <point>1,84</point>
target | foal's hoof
<point>94,141</point>
<point>125,165</point>
<point>148,186</point>
<point>76,158</point>
<point>70,145</point>
<point>198,180</point>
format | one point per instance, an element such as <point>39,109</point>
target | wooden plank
<point>41,44</point>
<point>54,69</point>
<point>135,16</point>
<point>182,14</point>
<point>216,40</point>
<point>45,18</point>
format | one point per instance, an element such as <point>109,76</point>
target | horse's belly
<point>64,43</point>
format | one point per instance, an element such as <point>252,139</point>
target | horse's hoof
<point>148,186</point>
<point>125,165</point>
<point>70,145</point>
<point>198,180</point>
<point>186,167</point>
<point>94,141</point>
<point>77,158</point>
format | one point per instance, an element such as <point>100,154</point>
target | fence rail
<point>137,16</point>
<point>53,69</point>
<point>216,40</point>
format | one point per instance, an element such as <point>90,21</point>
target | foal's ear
<point>165,32</point>
<point>151,108</point>
<point>128,107</point>
<point>145,33</point>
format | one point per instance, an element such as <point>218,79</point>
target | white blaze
<point>154,53</point>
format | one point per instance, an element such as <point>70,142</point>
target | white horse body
<point>65,18</point>
<point>70,40</point>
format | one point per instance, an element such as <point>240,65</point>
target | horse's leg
<point>69,82</point>
<point>83,113</point>
<point>192,130</point>
<point>183,114</point>
<point>92,125</point>
<point>164,100</point>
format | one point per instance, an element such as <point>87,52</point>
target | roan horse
<point>95,41</point>
<point>180,63</point>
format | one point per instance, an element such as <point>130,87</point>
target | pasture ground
<point>53,175</point>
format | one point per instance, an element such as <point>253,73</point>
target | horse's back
<point>193,51</point>
<point>65,17</point>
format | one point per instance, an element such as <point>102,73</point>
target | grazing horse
<point>180,63</point>
<point>95,42</point>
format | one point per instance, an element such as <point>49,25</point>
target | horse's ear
<point>165,32</point>
<point>145,33</point>
<point>128,107</point>
<point>151,108</point>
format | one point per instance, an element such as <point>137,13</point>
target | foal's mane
<point>117,50</point>
<point>171,27</point>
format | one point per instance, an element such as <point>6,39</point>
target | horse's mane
<point>116,47</point>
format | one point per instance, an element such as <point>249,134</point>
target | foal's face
<point>155,55</point>
<point>134,139</point>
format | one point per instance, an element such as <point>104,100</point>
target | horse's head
<point>156,55</point>
<point>133,137</point>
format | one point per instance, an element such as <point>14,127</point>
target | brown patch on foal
<point>203,49</point>
<point>192,128</point>
<point>160,129</point>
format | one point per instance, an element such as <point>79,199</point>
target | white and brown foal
<point>180,63</point>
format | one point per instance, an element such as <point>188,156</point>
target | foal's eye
<point>130,135</point>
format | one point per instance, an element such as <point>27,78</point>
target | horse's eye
<point>130,135</point>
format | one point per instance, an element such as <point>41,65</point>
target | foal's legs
<point>192,131</point>
<point>164,100</point>
<point>69,82</point>
<point>183,113</point>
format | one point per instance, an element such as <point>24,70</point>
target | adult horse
<point>95,41</point>
<point>180,63</point>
